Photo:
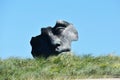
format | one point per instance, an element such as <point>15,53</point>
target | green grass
<point>61,67</point>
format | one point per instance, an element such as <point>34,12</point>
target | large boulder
<point>54,40</point>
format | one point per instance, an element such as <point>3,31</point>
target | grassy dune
<point>61,67</point>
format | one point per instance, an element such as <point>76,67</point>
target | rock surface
<point>54,40</point>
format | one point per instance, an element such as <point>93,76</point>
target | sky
<point>97,22</point>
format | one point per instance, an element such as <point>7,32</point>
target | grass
<point>61,67</point>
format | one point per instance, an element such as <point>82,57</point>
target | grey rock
<point>54,40</point>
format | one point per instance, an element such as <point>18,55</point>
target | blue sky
<point>97,21</point>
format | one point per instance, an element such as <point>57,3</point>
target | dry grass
<point>62,67</point>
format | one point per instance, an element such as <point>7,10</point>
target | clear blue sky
<point>97,21</point>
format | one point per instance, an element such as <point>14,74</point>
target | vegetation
<point>61,67</point>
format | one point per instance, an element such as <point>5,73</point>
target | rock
<point>54,40</point>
